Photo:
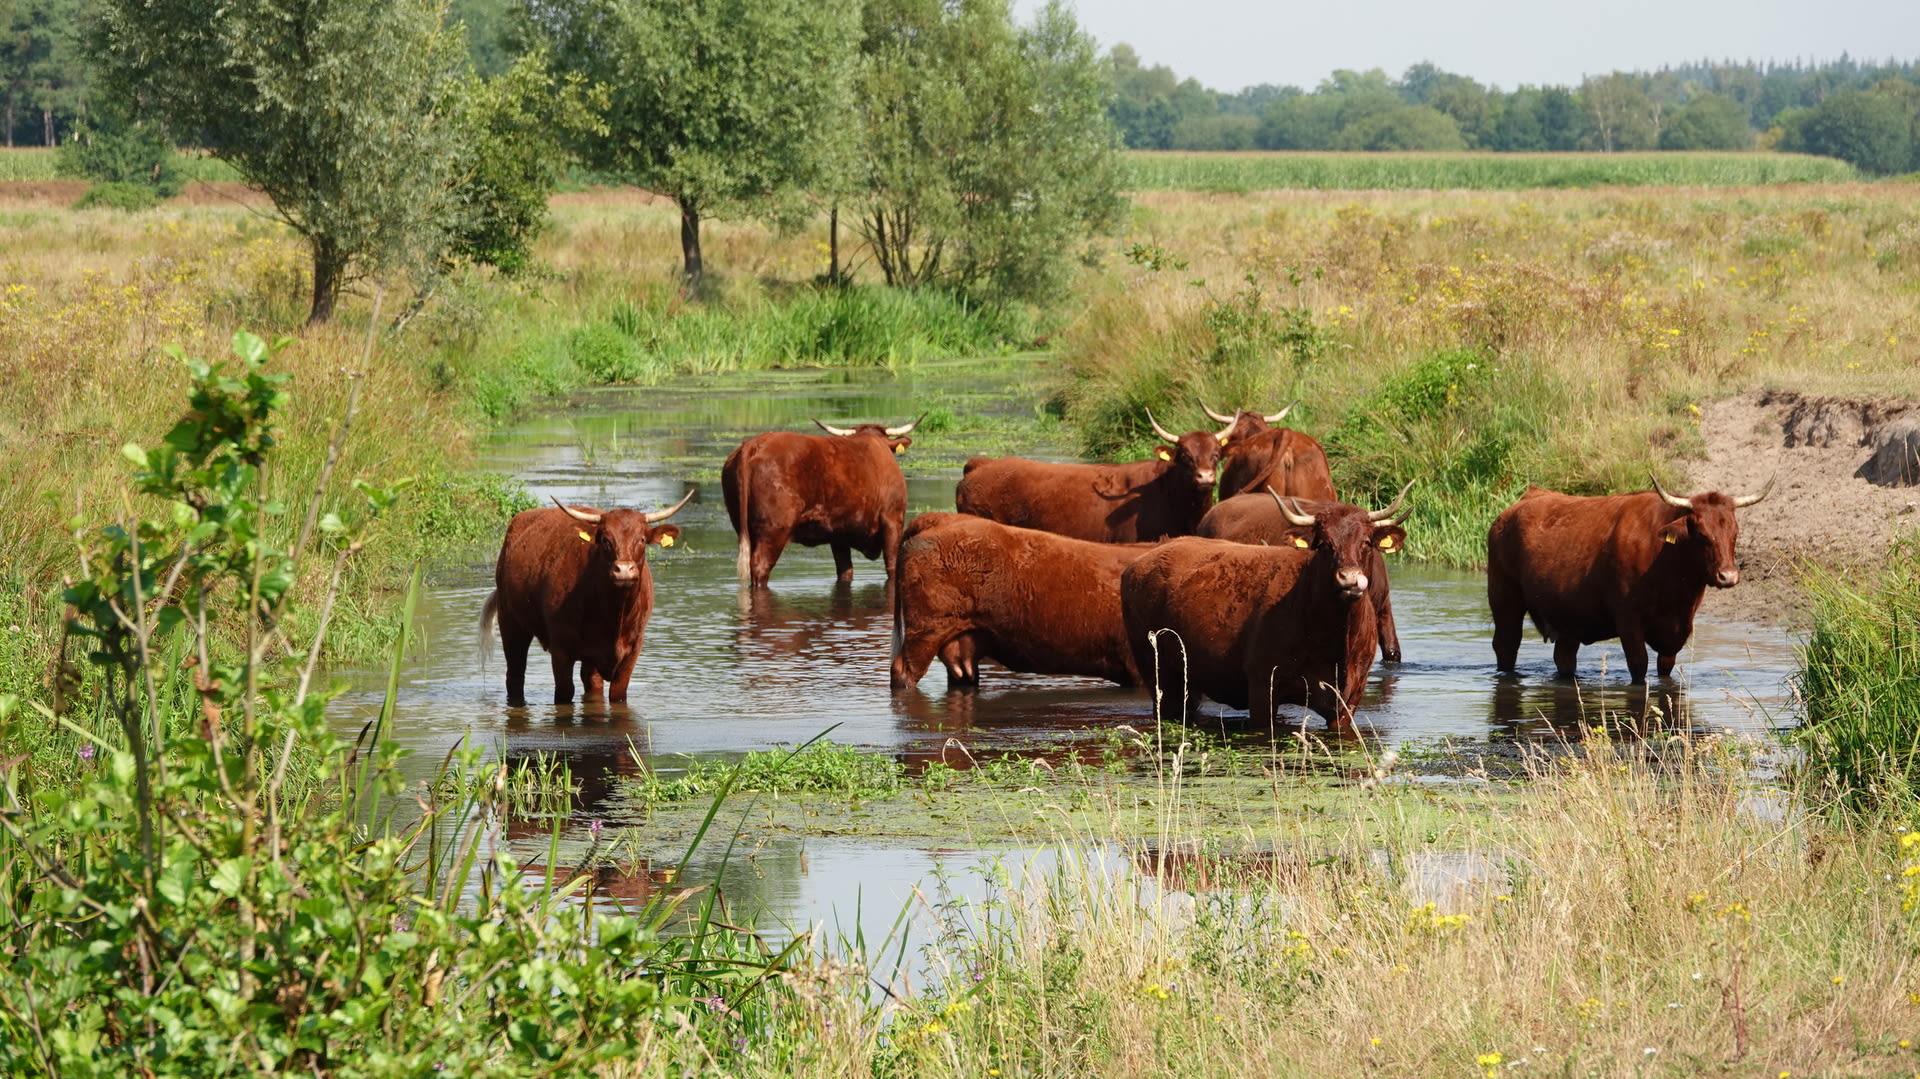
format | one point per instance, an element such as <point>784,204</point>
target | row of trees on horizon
<point>1867,114</point>
<point>44,81</point>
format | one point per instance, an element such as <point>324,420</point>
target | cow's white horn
<point>1292,513</point>
<point>661,515</point>
<point>1743,501</point>
<point>1280,415</point>
<point>1672,500</point>
<point>1387,516</point>
<point>1216,417</point>
<point>1159,430</point>
<point>579,515</point>
<point>896,432</point>
<point>831,429</point>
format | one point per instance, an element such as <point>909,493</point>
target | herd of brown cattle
<point>1128,572</point>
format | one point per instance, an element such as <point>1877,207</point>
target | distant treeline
<point>1867,114</point>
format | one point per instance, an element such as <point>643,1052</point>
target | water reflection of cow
<point>1565,709</point>
<point>836,627</point>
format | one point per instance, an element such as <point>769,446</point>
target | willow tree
<point>346,113</point>
<point>724,106</point>
<point>988,158</point>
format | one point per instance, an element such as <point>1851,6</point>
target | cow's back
<point>1118,503</point>
<point>820,487</point>
<point>1042,603</point>
<point>1292,462</point>
<point>1566,558</point>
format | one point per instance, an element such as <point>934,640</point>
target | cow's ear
<point>1162,452</point>
<point>1390,538</point>
<point>1299,537</point>
<point>900,445</point>
<point>665,535</point>
<point>1676,530</point>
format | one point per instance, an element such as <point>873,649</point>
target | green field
<point>1201,171</point>
<point>1193,171</point>
<point>38,163</point>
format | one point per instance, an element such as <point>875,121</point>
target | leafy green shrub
<point>606,354</point>
<point>1454,422</point>
<point>130,198</point>
<point>227,891</point>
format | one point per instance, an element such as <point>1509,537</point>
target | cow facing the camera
<point>1631,566</point>
<point>577,581</point>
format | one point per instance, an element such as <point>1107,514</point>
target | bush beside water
<point>1860,678</point>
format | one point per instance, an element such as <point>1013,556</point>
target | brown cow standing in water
<point>1257,625</point>
<point>1136,502</point>
<point>1258,518</point>
<point>1628,566</point>
<point>1260,456</point>
<point>1036,602</point>
<point>577,581</point>
<point>845,491</point>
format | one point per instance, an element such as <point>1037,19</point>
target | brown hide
<point>1589,568</point>
<point>845,491</point>
<point>1034,601</point>
<point>583,590</point>
<point>1289,461</point>
<point>1259,625</point>
<point>1256,518</point>
<point>1137,502</point>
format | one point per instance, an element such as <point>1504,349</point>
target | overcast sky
<point>1231,44</point>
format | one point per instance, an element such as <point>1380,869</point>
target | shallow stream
<point>724,672</point>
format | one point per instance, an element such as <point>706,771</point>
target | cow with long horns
<point>1251,625</point>
<point>1258,518</point>
<point>577,581</point>
<point>1260,455</point>
<point>1631,566</point>
<point>844,490</point>
<point>1140,501</point>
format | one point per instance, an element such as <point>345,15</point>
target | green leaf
<point>135,454</point>
<point>231,875</point>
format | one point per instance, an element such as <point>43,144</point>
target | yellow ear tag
<point>1386,543</point>
<point>898,449</point>
<point>584,538</point>
<point>1671,538</point>
<point>1301,541</point>
<point>666,541</point>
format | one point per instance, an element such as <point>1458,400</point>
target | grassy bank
<point>1317,171</point>
<point>1478,342</point>
<point>93,299</point>
<point>1861,680</point>
<point>1621,917</point>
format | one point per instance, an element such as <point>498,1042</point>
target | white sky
<point>1232,44</point>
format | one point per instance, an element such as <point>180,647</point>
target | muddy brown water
<point>725,671</point>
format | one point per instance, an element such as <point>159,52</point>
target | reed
<point>1860,679</point>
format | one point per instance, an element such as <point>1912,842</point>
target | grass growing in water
<point>1860,678</point>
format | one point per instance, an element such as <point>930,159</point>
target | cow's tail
<point>743,557</point>
<point>488,613</point>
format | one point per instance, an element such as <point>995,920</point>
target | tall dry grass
<point>1632,911</point>
<point>1602,320</point>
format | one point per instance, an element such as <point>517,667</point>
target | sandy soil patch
<point>1820,512</point>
